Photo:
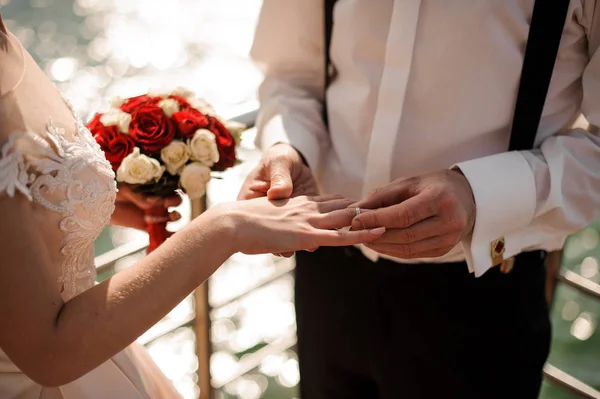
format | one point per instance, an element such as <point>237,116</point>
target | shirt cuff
<point>503,186</point>
<point>274,132</point>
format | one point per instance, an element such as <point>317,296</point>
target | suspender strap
<point>328,5</point>
<point>546,29</point>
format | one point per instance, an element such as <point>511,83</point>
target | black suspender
<point>547,24</point>
<point>545,32</point>
<point>328,19</point>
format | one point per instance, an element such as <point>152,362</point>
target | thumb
<point>281,180</point>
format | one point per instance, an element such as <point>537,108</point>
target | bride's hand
<point>261,226</point>
<point>130,207</point>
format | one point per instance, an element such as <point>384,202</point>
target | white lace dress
<point>51,159</point>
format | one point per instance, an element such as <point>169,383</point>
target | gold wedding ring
<point>357,211</point>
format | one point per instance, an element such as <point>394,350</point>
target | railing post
<point>553,262</point>
<point>202,323</point>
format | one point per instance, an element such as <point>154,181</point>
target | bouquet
<point>161,142</point>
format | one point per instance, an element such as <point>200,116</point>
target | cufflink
<point>497,249</point>
<point>507,266</point>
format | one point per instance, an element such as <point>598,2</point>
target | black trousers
<point>385,331</point>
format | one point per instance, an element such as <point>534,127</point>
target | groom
<point>449,303</point>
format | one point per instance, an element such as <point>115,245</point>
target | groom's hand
<point>425,216</point>
<point>280,174</point>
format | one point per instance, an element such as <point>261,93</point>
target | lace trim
<point>37,166</point>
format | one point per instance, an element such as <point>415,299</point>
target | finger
<point>336,204</point>
<point>171,217</point>
<point>140,200</point>
<point>328,197</point>
<point>251,195</point>
<point>299,190</point>
<point>402,215</point>
<point>436,253</point>
<point>340,238</point>
<point>259,185</point>
<point>388,195</point>
<point>252,181</point>
<point>255,194</point>
<point>172,201</point>
<point>285,254</point>
<point>427,228</point>
<point>336,219</point>
<point>280,178</point>
<point>128,215</point>
<point>406,251</point>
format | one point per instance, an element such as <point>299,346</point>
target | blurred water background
<point>95,49</point>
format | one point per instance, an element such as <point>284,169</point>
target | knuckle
<point>408,236</point>
<point>457,223</point>
<point>375,192</point>
<point>447,201</point>
<point>460,223</point>
<point>448,242</point>
<point>280,159</point>
<point>278,176</point>
<point>371,220</point>
<point>403,219</point>
<point>350,212</point>
<point>406,249</point>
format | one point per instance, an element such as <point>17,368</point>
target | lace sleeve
<point>23,156</point>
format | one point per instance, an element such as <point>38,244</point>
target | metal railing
<point>201,320</point>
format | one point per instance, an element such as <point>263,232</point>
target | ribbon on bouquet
<point>156,225</point>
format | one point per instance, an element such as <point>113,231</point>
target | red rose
<point>225,144</point>
<point>188,121</point>
<point>116,146</point>
<point>133,103</point>
<point>95,126</point>
<point>183,103</point>
<point>151,129</point>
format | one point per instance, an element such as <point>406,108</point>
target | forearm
<point>535,199</point>
<point>102,321</point>
<point>292,115</point>
<point>288,47</point>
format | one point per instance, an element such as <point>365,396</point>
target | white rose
<point>202,106</point>
<point>203,147</point>
<point>194,179</point>
<point>159,93</point>
<point>137,168</point>
<point>117,101</point>
<point>183,92</point>
<point>236,129</point>
<point>116,117</point>
<point>169,106</point>
<point>175,155</point>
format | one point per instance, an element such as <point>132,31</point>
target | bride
<point>62,336</point>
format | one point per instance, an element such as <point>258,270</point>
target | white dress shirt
<point>426,85</point>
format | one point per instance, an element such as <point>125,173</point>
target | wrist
<point>469,199</point>
<point>216,226</point>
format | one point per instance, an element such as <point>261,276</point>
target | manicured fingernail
<point>377,231</point>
